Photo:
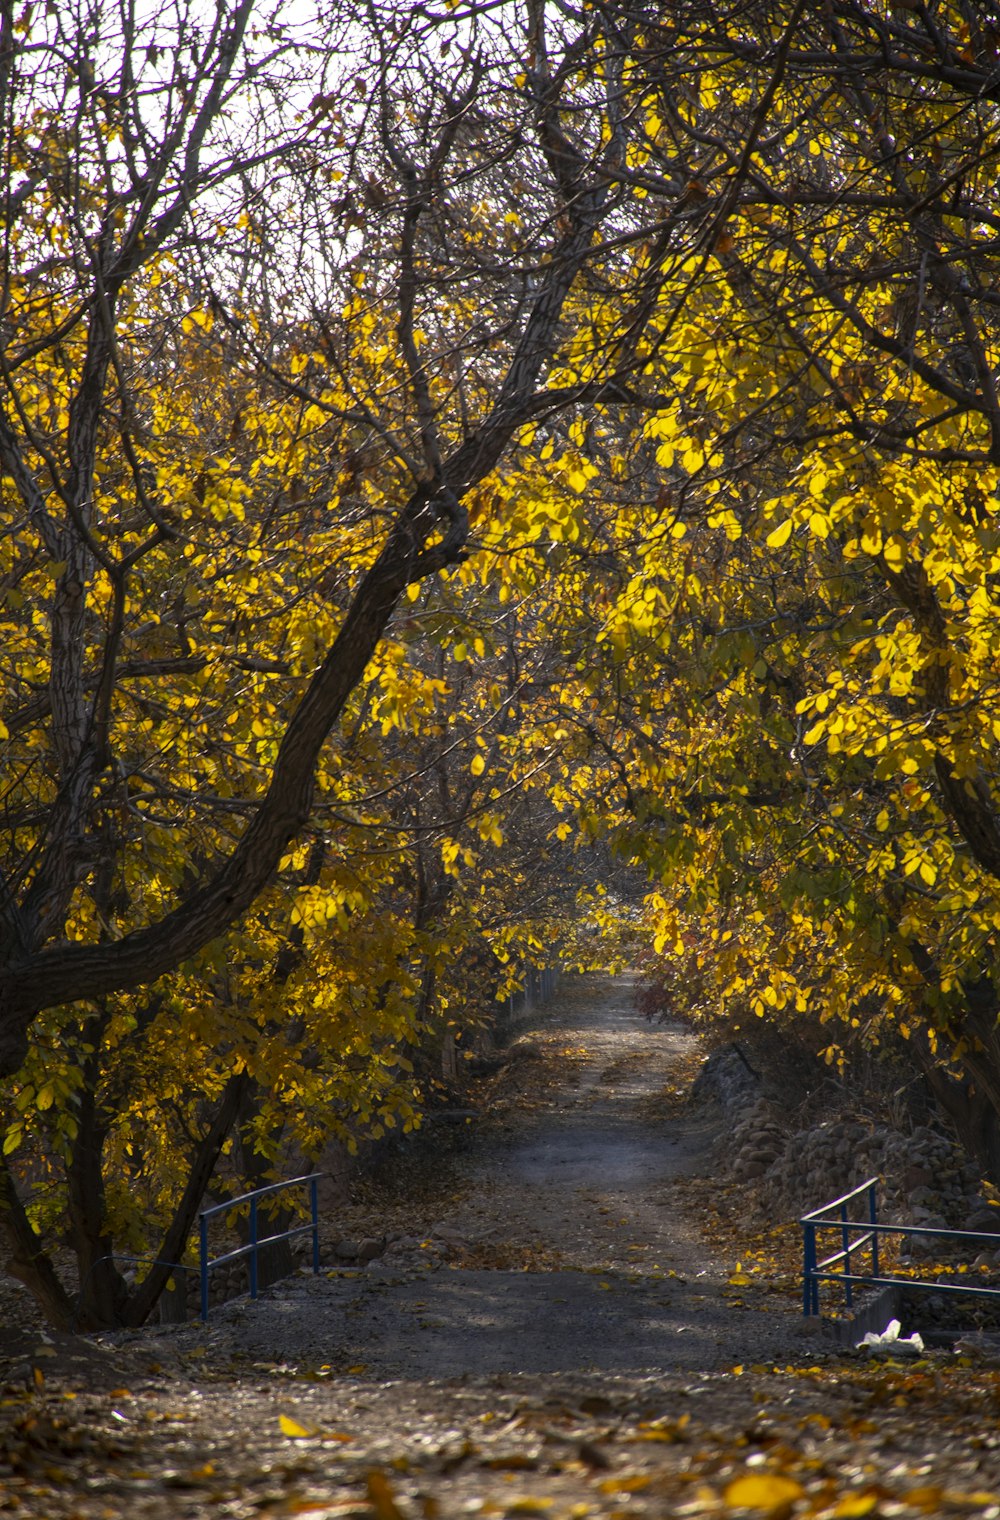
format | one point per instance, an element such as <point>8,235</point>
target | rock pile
<point>926,1178</point>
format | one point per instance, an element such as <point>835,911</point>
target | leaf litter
<point>192,1424</point>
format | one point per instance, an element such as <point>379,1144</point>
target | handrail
<point>911,1229</point>
<point>253,1246</point>
<point>813,1272</point>
<point>838,1202</point>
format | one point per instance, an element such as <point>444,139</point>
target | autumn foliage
<point>559,459</point>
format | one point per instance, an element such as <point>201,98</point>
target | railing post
<point>873,1218</point>
<point>808,1265</point>
<point>815,1269</point>
<point>253,1248</point>
<point>314,1206</point>
<point>203,1267</point>
<point>846,1244</point>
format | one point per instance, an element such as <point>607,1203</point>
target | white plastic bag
<point>890,1343</point>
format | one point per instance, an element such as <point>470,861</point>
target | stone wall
<point>925,1176</point>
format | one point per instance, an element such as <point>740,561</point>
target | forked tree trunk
<point>104,1302</point>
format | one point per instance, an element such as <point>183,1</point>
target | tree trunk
<point>175,1240</point>
<point>973,1114</point>
<point>103,1291</point>
<point>27,1261</point>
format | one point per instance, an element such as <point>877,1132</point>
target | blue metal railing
<point>254,1244</point>
<point>856,1237</point>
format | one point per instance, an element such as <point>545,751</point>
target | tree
<point>415,343</point>
<point>669,337</point>
<point>822,782</point>
<point>267,338</point>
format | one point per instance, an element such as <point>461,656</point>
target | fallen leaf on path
<point>297,1432</point>
<point>294,1430</point>
<point>766,1492</point>
<point>629,1483</point>
<point>381,1496</point>
<point>667,1431</point>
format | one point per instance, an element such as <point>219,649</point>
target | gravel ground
<point>581,1350</point>
<point>579,1180</point>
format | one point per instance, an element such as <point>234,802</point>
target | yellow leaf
<point>780,535</point>
<point>629,1483</point>
<point>854,1508</point>
<point>292,1428</point>
<point>478,765</point>
<point>763,1491</point>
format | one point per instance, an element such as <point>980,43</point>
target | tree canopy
<point>451,454</point>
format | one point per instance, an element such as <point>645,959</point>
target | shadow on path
<point>585,1177</point>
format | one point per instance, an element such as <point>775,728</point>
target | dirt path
<point>580,1354</point>
<point>581,1187</point>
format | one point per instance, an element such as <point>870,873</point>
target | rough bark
<point>103,1292</point>
<point>27,1260</point>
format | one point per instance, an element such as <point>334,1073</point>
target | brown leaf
<point>381,1497</point>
